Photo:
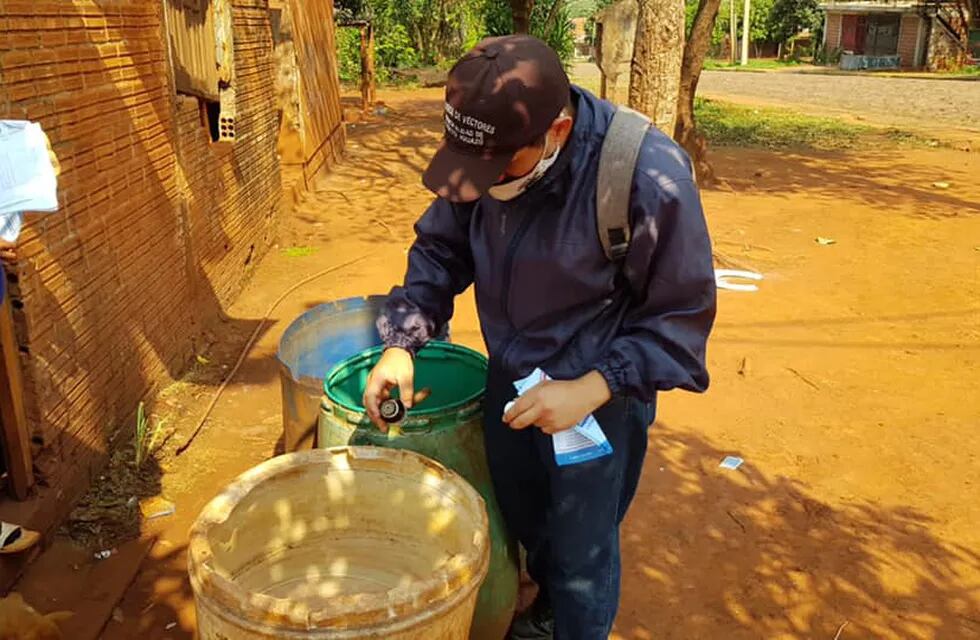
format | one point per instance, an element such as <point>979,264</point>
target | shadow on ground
<point>711,553</point>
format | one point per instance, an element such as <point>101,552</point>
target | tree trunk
<point>695,51</point>
<point>368,97</point>
<point>549,23</point>
<point>521,11</point>
<point>655,75</point>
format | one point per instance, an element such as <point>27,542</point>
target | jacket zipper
<point>519,234</point>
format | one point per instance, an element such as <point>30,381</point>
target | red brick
<point>76,53</point>
<point>51,39</point>
<point>20,40</point>
<point>20,92</point>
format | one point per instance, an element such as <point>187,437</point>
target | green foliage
<point>771,20</point>
<point>828,56</point>
<point>722,22</point>
<point>755,64</point>
<point>349,54</point>
<point>145,439</point>
<point>789,17</point>
<point>759,30</point>
<point>410,33</point>
<point>969,70</point>
<point>394,49</point>
<point>690,11</point>
<point>599,5</point>
<point>550,24</point>
<point>584,8</point>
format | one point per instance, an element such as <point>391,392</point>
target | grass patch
<point>738,126</point>
<point>298,252</point>
<point>972,71</point>
<point>731,125</point>
<point>146,436</point>
<point>760,64</point>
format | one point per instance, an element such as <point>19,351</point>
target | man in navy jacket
<point>516,216</point>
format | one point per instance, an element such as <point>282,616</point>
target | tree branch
<point>549,23</point>
<point>695,51</point>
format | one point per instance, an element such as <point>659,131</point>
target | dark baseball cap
<point>500,97</point>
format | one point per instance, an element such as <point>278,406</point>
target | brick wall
<point>832,38</point>
<point>943,52</point>
<point>157,227</point>
<point>908,40</point>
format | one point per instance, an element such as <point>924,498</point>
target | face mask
<point>512,189</point>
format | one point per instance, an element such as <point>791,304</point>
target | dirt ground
<point>848,384</point>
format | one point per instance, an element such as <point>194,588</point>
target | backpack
<point>617,164</point>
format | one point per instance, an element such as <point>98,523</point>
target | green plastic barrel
<point>447,427</point>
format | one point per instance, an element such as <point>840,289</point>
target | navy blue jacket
<point>546,293</point>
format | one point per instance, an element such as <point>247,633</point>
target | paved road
<point>929,104</point>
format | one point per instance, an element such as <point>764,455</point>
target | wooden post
<point>16,440</point>
<point>372,96</point>
<point>368,96</point>
<point>597,47</point>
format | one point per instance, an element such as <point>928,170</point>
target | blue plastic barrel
<point>310,347</point>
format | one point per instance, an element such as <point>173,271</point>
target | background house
<point>910,34</point>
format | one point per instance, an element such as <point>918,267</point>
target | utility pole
<point>745,33</point>
<point>732,33</point>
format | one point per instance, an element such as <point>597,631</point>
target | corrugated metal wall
<point>191,30</point>
<point>316,55</point>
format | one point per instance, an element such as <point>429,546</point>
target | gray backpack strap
<point>617,164</point>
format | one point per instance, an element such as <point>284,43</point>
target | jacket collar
<point>591,122</point>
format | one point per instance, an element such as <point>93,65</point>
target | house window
<point>881,37</point>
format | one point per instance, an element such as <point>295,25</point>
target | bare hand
<point>555,406</point>
<point>395,369</point>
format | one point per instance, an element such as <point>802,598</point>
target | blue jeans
<point>568,518</point>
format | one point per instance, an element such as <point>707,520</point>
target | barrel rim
<point>433,345</point>
<point>442,591</point>
<point>353,304</point>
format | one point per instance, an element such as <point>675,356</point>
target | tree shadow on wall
<point>121,239</point>
<point>710,553</point>
<point>128,281</point>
